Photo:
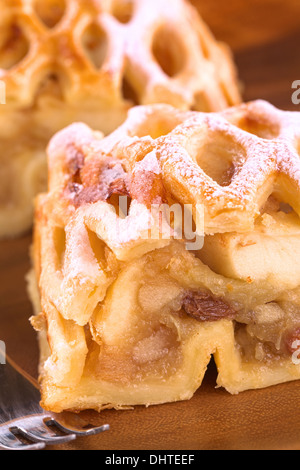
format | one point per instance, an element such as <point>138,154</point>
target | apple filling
<point>160,301</point>
<point>148,336</point>
<point>267,255</point>
<point>269,332</point>
<point>139,333</point>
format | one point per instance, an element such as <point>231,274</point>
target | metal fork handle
<point>18,396</point>
<point>21,414</point>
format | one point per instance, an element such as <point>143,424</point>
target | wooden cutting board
<point>264,35</point>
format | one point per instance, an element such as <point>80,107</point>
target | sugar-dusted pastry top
<point>114,51</point>
<point>228,163</point>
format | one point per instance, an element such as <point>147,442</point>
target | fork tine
<point>92,431</point>
<point>8,441</point>
<point>39,432</point>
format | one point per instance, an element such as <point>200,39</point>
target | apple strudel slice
<point>168,242</point>
<point>63,61</point>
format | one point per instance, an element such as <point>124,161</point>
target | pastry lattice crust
<point>128,319</point>
<point>63,61</point>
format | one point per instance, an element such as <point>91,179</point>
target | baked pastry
<point>63,61</point>
<point>128,311</point>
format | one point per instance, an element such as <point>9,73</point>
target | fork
<point>24,425</point>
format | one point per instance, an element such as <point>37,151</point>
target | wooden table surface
<point>265,36</point>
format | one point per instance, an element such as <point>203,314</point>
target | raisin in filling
<point>203,306</point>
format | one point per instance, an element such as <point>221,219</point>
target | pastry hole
<point>75,168</point>
<point>98,247</point>
<point>123,10</point>
<point>274,204</point>
<point>50,12</point>
<point>156,130</point>
<point>201,102</point>
<point>95,44</point>
<point>14,47</point>
<point>129,93</point>
<point>158,125</point>
<point>59,240</point>
<point>121,205</point>
<point>168,51</point>
<point>124,206</point>
<point>286,208</point>
<point>260,127</point>
<point>220,159</point>
<point>50,86</point>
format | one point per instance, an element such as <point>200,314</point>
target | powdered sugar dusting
<point>257,164</point>
<point>149,164</point>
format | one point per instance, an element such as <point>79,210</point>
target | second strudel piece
<point>63,61</point>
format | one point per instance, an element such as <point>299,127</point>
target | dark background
<point>265,38</point>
